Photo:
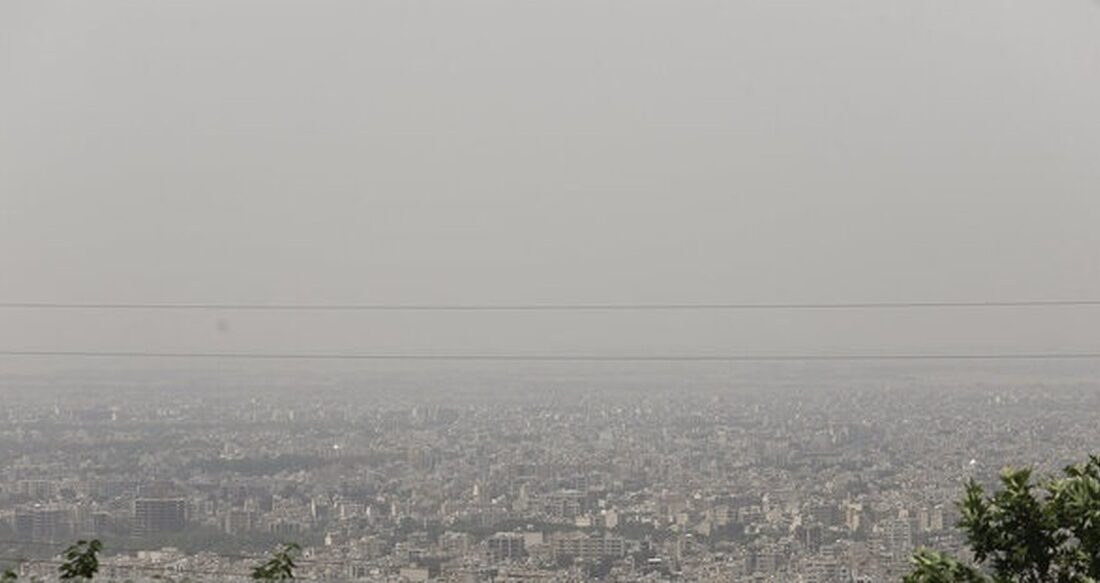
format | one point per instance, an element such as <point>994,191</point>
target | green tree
<point>8,576</point>
<point>81,560</point>
<point>932,567</point>
<point>279,567</point>
<point>1026,532</point>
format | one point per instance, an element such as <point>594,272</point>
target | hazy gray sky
<point>550,151</point>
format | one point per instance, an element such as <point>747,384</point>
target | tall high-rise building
<point>157,515</point>
<point>43,523</point>
<point>506,545</point>
<point>237,521</point>
<point>587,547</point>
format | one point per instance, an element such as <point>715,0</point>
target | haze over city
<point>650,224</point>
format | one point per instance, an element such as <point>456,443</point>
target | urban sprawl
<point>784,473</point>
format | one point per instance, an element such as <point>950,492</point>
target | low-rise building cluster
<point>834,478</point>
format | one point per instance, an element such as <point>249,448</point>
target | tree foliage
<point>1027,532</point>
<point>279,567</point>
<point>932,567</point>
<point>81,560</point>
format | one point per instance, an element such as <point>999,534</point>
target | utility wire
<point>551,307</point>
<point>489,357</point>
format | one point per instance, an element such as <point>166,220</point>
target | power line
<point>553,307</point>
<point>489,357</point>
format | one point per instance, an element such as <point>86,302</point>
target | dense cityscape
<point>775,473</point>
<point>550,291</point>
